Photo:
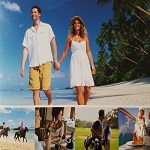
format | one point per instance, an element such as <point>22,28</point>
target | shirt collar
<point>32,28</point>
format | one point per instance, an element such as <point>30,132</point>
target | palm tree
<point>124,43</point>
<point>117,4</point>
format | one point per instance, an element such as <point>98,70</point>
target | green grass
<point>82,133</point>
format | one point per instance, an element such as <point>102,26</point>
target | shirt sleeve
<point>25,40</point>
<point>51,33</point>
<point>95,125</point>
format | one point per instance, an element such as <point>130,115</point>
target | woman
<point>139,128</point>
<point>80,71</point>
<point>56,126</point>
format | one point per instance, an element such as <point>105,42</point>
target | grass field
<point>82,133</point>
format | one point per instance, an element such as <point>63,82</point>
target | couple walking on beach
<point>38,42</point>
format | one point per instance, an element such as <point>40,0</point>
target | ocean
<point>30,135</point>
<point>24,97</point>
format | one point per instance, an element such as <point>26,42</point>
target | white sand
<point>11,144</point>
<point>133,93</point>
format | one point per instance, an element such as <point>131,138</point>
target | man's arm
<point>54,50</point>
<point>24,58</point>
<point>95,133</point>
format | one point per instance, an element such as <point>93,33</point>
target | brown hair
<point>83,31</point>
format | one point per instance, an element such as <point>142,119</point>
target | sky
<point>14,116</point>
<point>15,19</point>
<point>90,113</point>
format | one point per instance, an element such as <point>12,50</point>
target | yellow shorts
<point>40,77</point>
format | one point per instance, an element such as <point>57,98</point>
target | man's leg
<point>36,97</point>
<point>48,94</point>
<point>46,80</point>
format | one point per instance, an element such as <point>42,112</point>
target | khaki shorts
<point>40,77</point>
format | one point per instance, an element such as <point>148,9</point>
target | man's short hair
<point>38,8</point>
<point>101,113</point>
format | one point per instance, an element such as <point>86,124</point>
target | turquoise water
<point>24,97</point>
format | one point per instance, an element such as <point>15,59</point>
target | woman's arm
<point>65,52</point>
<point>88,51</point>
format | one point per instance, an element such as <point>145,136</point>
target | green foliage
<point>84,124</point>
<point>124,43</point>
<point>88,124</point>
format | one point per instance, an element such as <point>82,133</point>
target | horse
<point>21,134</point>
<point>4,132</point>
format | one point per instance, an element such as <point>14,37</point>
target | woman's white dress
<point>80,71</point>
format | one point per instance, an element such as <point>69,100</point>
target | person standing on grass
<point>80,71</point>
<point>97,128</point>
<point>107,134</point>
<point>37,42</point>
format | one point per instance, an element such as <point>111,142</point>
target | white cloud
<point>11,121</point>
<point>5,111</point>
<point>11,6</point>
<point>58,74</point>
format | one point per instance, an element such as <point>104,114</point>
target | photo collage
<point>74,75</point>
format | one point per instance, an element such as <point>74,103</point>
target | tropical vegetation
<point>124,43</point>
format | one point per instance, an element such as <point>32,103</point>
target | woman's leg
<point>87,90</point>
<point>80,99</point>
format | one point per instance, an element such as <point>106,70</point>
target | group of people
<point>140,128</point>
<point>21,128</point>
<point>40,42</point>
<point>53,129</point>
<point>103,134</point>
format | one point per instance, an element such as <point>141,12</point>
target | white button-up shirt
<point>38,44</point>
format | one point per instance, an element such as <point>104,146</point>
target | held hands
<point>56,65</point>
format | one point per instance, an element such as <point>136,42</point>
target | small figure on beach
<point>21,127</point>
<point>139,128</point>
<point>38,41</point>
<point>4,125</point>
<point>80,71</point>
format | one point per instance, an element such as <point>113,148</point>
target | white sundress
<point>80,71</point>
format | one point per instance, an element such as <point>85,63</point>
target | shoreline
<point>128,93</point>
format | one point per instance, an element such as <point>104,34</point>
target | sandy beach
<point>11,144</point>
<point>133,93</point>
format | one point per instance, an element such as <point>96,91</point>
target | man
<point>4,125</point>
<point>21,127</point>
<point>47,140</point>
<point>107,134</point>
<point>97,128</point>
<point>38,41</point>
